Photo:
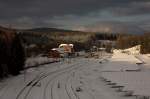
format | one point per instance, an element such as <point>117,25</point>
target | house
<point>64,50</point>
<point>68,48</point>
<point>54,54</point>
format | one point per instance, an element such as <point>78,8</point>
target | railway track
<point>24,93</point>
<point>31,83</point>
<point>68,87</point>
<point>57,79</point>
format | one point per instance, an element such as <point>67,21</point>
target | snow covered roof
<point>62,45</point>
<point>61,50</point>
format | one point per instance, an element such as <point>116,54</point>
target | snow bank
<point>33,61</point>
<point>148,55</point>
<point>133,50</point>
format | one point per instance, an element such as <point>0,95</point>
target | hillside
<point>45,39</point>
<point>47,30</point>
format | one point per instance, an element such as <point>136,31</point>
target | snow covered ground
<point>145,58</point>
<point>129,73</point>
<point>78,78</point>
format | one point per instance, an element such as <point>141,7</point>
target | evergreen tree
<point>3,56</point>
<point>17,56</point>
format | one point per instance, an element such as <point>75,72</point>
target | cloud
<point>114,27</point>
<point>133,8</point>
<point>42,8</point>
<point>76,14</point>
<point>27,22</point>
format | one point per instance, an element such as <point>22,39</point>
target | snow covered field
<point>128,73</point>
<point>81,78</point>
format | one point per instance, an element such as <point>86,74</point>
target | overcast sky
<point>88,15</point>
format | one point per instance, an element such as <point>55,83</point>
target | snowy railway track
<point>61,82</point>
<point>52,86</point>
<point>69,90</point>
<point>24,93</point>
<point>32,83</point>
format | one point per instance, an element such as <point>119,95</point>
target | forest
<point>127,41</point>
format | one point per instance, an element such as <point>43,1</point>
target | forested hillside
<point>45,39</point>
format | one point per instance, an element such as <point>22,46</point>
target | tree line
<point>45,41</point>
<point>127,41</point>
<point>12,54</point>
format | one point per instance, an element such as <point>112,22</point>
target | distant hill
<point>5,29</point>
<point>47,30</point>
<point>39,30</point>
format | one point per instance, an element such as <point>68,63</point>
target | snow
<point>133,50</point>
<point>80,78</point>
<point>34,61</point>
<point>145,59</point>
<point>81,53</point>
<point>138,82</point>
<point>122,62</point>
<point>129,71</point>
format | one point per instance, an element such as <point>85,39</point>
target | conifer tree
<point>17,56</point>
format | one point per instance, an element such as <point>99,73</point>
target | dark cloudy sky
<point>89,15</point>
